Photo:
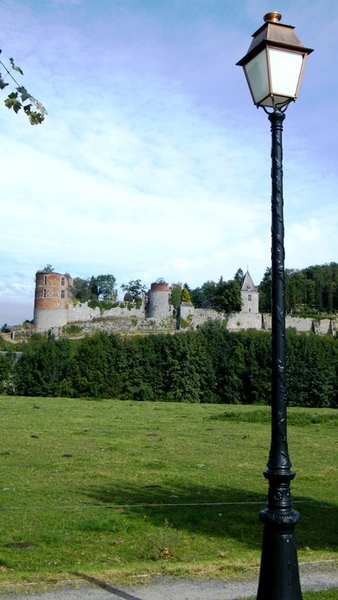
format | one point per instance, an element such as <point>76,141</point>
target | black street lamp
<point>273,67</point>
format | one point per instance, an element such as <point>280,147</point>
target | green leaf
<point>35,118</point>
<point>15,67</point>
<point>2,83</point>
<point>23,92</point>
<point>13,102</point>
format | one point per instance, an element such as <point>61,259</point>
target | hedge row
<point>208,365</point>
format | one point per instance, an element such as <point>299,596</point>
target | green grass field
<point>324,595</point>
<point>123,489</point>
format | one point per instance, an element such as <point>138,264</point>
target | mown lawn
<point>125,488</point>
<point>323,595</point>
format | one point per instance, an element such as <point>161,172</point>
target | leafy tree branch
<point>20,98</point>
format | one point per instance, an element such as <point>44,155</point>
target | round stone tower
<point>158,305</point>
<point>52,293</point>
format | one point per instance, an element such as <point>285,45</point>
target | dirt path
<point>314,576</point>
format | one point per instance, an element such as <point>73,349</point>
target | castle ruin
<point>54,309</point>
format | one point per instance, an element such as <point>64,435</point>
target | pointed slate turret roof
<point>247,284</point>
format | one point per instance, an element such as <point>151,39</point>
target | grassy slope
<point>123,488</point>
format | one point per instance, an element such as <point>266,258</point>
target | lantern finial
<point>274,17</point>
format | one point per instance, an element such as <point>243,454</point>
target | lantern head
<point>274,63</point>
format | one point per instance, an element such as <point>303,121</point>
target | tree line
<point>210,365</point>
<point>309,291</point>
<point>223,296</point>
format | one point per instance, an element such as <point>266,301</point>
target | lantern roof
<point>275,34</point>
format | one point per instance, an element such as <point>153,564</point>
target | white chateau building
<point>250,296</point>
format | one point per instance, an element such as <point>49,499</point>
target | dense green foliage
<point>185,295</point>
<point>134,290</point>
<point>224,296</point>
<point>211,365</point>
<point>203,294</point>
<point>102,287</point>
<point>307,291</point>
<point>227,296</point>
<point>42,367</point>
<point>6,369</point>
<point>176,294</point>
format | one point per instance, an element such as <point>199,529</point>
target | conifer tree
<point>185,296</point>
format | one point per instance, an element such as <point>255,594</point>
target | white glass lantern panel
<point>285,70</point>
<point>257,75</point>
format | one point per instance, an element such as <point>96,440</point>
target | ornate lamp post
<point>273,67</point>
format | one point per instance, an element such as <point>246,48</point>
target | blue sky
<point>153,161</point>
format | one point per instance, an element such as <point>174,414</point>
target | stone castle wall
<point>123,319</point>
<point>81,312</point>
<point>201,315</point>
<point>238,321</point>
<point>53,310</point>
<point>129,325</point>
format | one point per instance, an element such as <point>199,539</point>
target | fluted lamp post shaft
<point>273,67</point>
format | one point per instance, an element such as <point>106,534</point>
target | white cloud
<point>152,160</point>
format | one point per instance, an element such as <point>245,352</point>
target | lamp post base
<point>279,573</point>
